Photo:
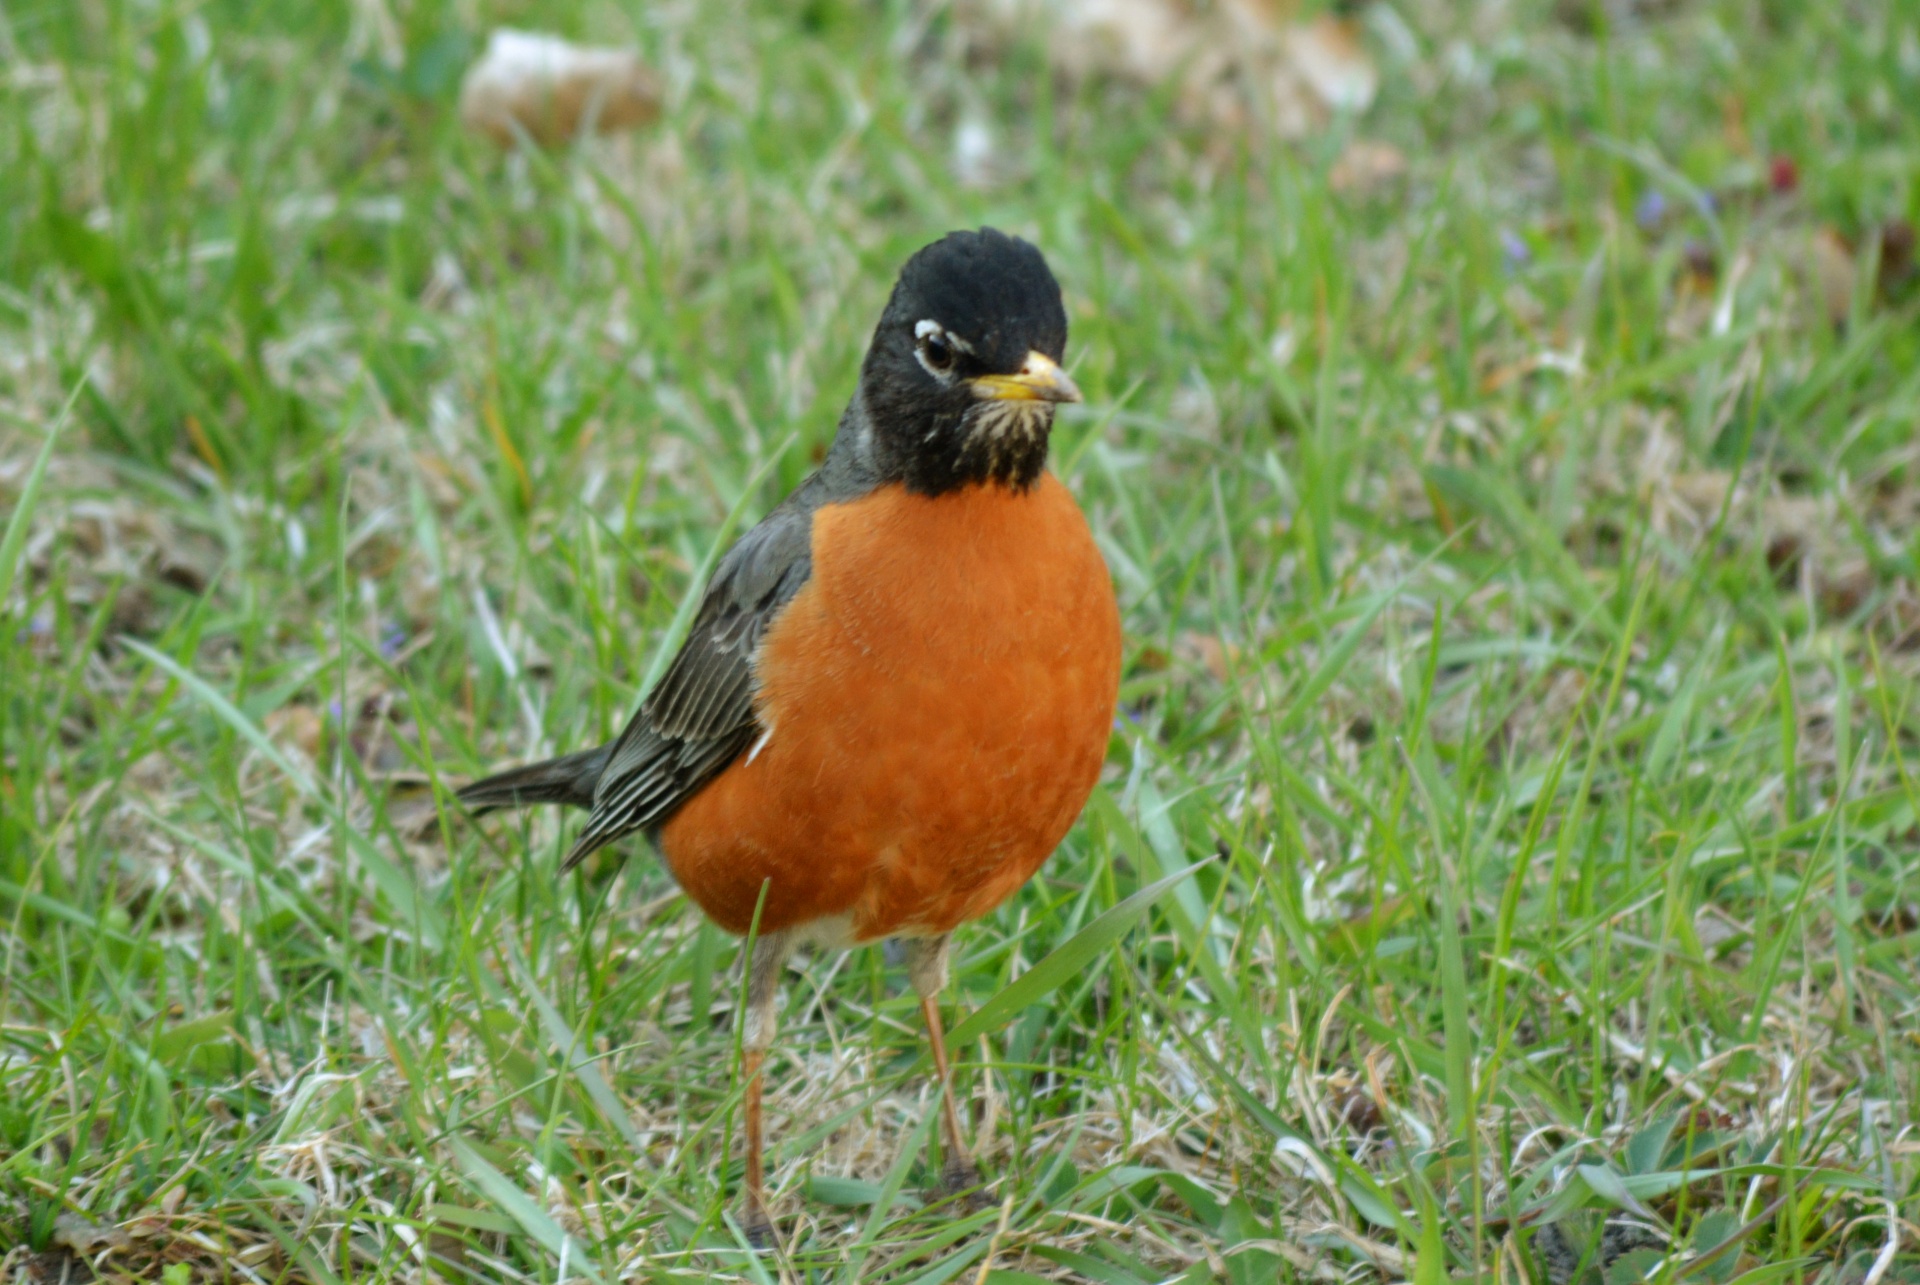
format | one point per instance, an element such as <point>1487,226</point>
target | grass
<point>1518,566</point>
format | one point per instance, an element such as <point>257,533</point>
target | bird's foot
<point>757,1224</point>
<point>960,1181</point>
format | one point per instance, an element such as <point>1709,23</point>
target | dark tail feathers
<point>570,779</point>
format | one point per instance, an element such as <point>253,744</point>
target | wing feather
<point>701,715</point>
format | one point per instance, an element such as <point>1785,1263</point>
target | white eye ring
<point>936,350</point>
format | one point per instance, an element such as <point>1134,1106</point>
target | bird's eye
<point>936,352</point>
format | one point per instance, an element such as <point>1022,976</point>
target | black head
<point>964,372</point>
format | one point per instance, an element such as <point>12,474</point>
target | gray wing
<point>700,717</point>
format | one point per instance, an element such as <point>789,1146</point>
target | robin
<point>897,693</point>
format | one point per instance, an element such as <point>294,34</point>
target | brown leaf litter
<point>1367,168</point>
<point>532,85</point>
<point>103,544</point>
<point>1235,63</point>
<point>1802,537</point>
<point>142,1248</point>
<point>1834,264</point>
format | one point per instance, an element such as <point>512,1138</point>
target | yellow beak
<point>1040,379</point>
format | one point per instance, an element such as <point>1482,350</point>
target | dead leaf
<point>123,548</point>
<point>1208,652</point>
<point>1830,262</point>
<point>1366,168</point>
<point>1805,539</point>
<point>298,726</point>
<point>1328,53</point>
<point>84,1236</point>
<point>1237,63</point>
<point>56,1267</point>
<point>1805,552</point>
<point>552,90</point>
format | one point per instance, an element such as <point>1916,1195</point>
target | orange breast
<point>938,698</point>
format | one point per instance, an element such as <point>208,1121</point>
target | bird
<point>897,692</point>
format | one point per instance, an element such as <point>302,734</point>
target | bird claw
<point>757,1226</point>
<point>960,1181</point>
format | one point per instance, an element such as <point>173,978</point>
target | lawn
<point>1515,540</point>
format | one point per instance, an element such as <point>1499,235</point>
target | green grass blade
<point>229,713</point>
<point>22,515</point>
<point>394,883</point>
<point>532,1217</point>
<point>913,1145</point>
<point>1065,962</point>
<point>584,1067</point>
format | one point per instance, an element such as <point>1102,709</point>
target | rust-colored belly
<point>938,697</point>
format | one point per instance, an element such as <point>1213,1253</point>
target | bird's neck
<point>1002,443</point>
<point>993,443</point>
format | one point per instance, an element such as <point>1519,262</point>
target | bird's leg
<point>927,970</point>
<point>770,954</point>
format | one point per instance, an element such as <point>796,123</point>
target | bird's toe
<point>961,1182</point>
<point>757,1225</point>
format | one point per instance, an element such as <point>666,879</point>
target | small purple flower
<point>333,708</point>
<point>1518,253</point>
<point>392,641</point>
<point>1650,209</point>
